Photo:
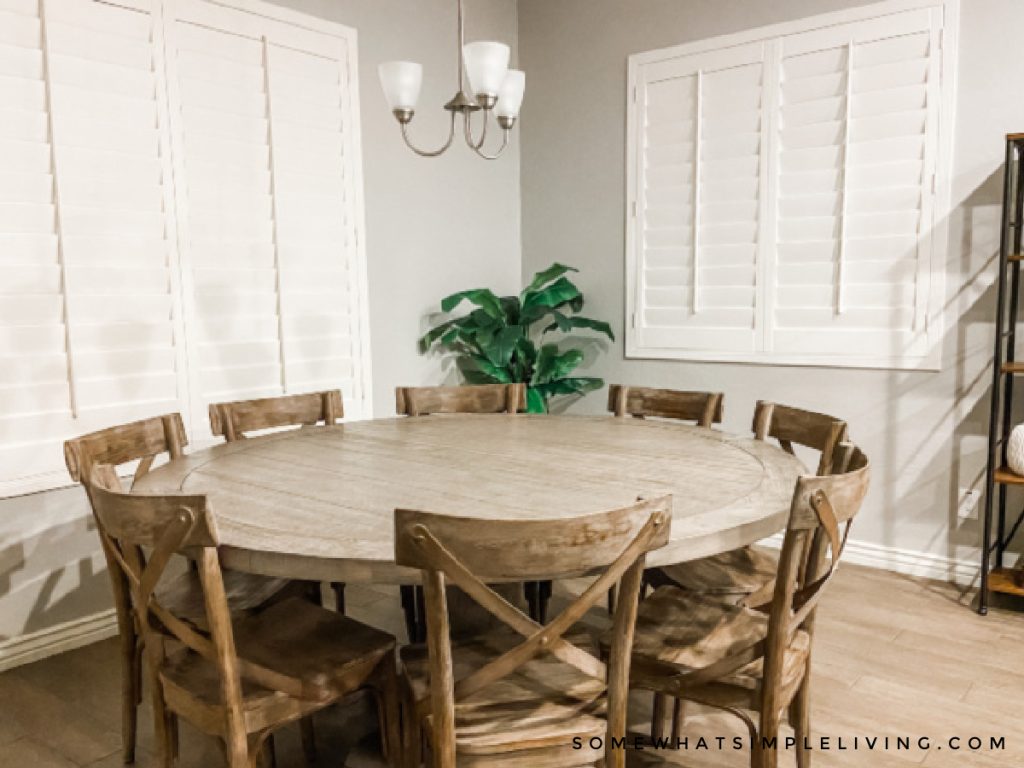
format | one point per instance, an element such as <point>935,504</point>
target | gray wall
<point>432,227</point>
<point>924,431</point>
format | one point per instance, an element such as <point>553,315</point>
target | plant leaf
<point>544,277</point>
<point>535,401</point>
<point>565,323</point>
<point>569,386</point>
<point>497,374</point>
<point>551,365</point>
<point>558,293</point>
<point>511,307</point>
<point>482,297</point>
<point>500,350</point>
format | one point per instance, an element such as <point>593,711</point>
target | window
<point>787,189</point>
<point>180,217</point>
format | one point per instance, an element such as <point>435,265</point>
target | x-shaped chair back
<point>470,553</point>
<point>132,525</point>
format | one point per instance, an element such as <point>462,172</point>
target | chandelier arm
<point>468,129</point>
<point>506,132</point>
<point>429,153</point>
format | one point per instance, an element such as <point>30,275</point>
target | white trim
<point>68,636</point>
<point>909,562</point>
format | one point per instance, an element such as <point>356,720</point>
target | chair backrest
<point>131,525</point>
<point>479,398</point>
<point>141,440</point>
<point>468,553</point>
<point>704,408</point>
<point>821,512</point>
<point>794,425</point>
<point>234,419</point>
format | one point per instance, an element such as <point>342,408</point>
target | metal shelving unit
<point>995,577</point>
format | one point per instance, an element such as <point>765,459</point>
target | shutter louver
<point>856,161</point>
<point>698,203</point>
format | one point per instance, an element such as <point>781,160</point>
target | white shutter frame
<point>927,311</point>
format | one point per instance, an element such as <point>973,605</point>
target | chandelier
<point>494,88</point>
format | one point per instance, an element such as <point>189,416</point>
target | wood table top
<point>317,502</point>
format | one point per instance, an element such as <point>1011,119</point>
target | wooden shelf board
<point>1013,367</point>
<point>1008,581</point>
<point>1007,476</point>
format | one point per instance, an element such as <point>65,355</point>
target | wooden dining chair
<point>472,398</point>
<point>744,571</point>
<point>476,398</point>
<point>754,660</point>
<point>703,408</point>
<point>143,442</point>
<point>240,679</point>
<point>233,419</point>
<point>520,697</point>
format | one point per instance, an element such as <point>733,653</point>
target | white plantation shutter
<point>858,135</point>
<point>268,208</point>
<point>698,200</point>
<point>180,210</point>
<point>815,175</point>
<point>88,313</point>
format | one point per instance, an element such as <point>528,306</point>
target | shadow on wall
<point>41,587</point>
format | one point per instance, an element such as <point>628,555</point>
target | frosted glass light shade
<point>510,96</point>
<point>401,82</point>
<point>486,65</point>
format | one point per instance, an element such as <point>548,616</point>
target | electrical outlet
<point>967,507</point>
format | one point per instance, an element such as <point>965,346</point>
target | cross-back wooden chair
<point>475,398</point>
<point>756,658</point>
<point>239,680</point>
<point>144,441</point>
<point>703,408</point>
<point>519,697</point>
<point>233,419</point>
<point>746,570</point>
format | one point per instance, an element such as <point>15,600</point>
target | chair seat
<point>739,572</point>
<point>540,707</point>
<point>692,632</point>
<point>183,595</point>
<point>295,638</point>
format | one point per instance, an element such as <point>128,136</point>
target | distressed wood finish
<point>756,657</point>
<point>480,398</point>
<point>317,503</point>
<point>234,419</point>
<point>239,680</point>
<point>521,697</point>
<point>703,408</point>
<point>745,571</point>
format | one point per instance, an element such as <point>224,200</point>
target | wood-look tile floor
<point>894,656</point>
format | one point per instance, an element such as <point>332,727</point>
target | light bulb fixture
<point>493,88</point>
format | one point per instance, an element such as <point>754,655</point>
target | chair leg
<point>800,715</point>
<point>412,736</point>
<point>308,738</point>
<point>531,591</point>
<point>131,692</point>
<point>544,589</point>
<point>612,593</point>
<point>678,719</point>
<point>339,595</point>
<point>764,756</point>
<point>658,716</point>
<point>270,749</point>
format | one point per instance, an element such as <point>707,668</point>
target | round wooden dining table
<point>317,503</point>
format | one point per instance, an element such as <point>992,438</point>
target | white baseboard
<point>906,561</point>
<point>53,640</point>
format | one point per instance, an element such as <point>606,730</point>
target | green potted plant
<point>502,340</point>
